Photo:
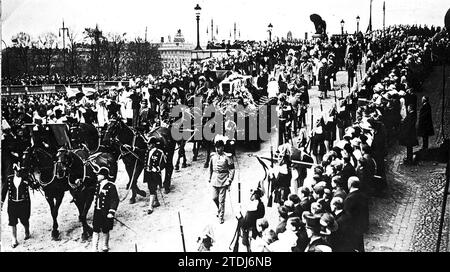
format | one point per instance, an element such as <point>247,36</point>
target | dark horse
<point>39,164</point>
<point>208,144</point>
<point>118,131</point>
<point>81,169</point>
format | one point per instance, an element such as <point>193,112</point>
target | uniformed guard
<point>221,176</point>
<point>106,203</point>
<point>154,163</point>
<point>164,107</point>
<point>146,117</point>
<point>19,203</point>
<point>285,116</point>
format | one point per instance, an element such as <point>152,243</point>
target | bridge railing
<point>14,90</point>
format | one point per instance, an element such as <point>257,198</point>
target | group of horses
<point>54,168</point>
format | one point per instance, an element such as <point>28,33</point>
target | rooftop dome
<point>179,38</point>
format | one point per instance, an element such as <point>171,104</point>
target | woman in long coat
<point>425,127</point>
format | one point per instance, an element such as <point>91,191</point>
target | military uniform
<point>154,162</point>
<point>221,175</point>
<point>285,115</point>
<point>106,202</point>
<point>19,203</point>
<point>145,119</point>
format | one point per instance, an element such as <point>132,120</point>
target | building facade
<point>176,53</point>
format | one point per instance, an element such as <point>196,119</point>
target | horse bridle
<point>35,168</point>
<point>84,162</point>
<point>63,165</point>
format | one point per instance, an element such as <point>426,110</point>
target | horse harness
<point>32,175</point>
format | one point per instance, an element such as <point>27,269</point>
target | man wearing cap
<point>154,163</point>
<point>221,175</point>
<point>19,203</point>
<point>106,202</point>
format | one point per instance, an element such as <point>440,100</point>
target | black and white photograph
<point>235,126</point>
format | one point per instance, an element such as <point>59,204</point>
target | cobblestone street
<point>407,217</point>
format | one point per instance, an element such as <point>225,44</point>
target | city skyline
<point>164,18</point>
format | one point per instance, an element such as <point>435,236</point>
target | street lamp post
<point>270,27</point>
<point>342,26</point>
<point>197,13</point>
<point>65,31</point>
<point>357,23</point>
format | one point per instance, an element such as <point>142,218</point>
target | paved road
<point>404,219</point>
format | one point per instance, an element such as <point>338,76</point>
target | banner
<point>72,92</point>
<point>88,91</point>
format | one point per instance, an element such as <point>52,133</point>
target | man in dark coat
<point>408,135</point>
<point>342,237</point>
<point>255,211</point>
<point>323,77</point>
<point>136,98</point>
<point>263,81</point>
<point>425,127</point>
<point>357,206</point>
<point>347,170</point>
<point>146,117</point>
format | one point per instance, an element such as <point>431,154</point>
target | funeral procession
<point>225,126</point>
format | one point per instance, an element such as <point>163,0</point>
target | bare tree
<point>143,58</point>
<point>73,53</point>
<point>114,45</point>
<point>47,42</point>
<point>95,37</point>
<point>22,42</point>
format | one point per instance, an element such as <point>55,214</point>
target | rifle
<point>234,245</point>
<point>270,200</point>
<point>182,234</point>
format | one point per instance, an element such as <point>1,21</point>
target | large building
<point>176,53</point>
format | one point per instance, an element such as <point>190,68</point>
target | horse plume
<point>319,23</point>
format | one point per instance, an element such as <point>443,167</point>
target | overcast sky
<point>164,17</point>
